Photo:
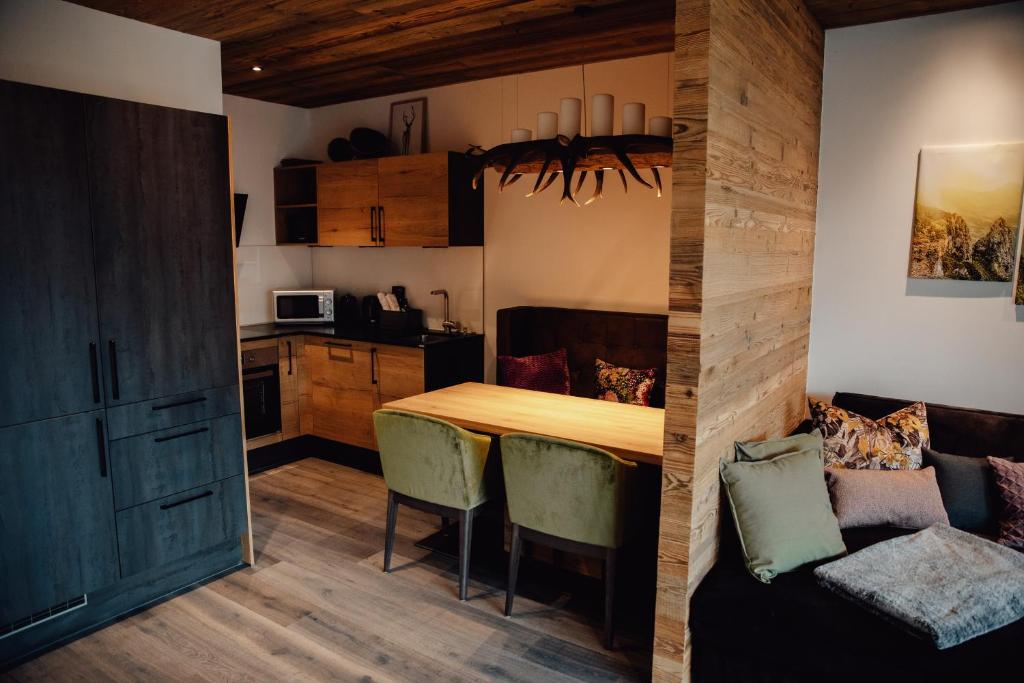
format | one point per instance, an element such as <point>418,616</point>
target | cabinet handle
<point>114,383</point>
<point>95,367</point>
<point>380,225</point>
<point>161,439</point>
<point>373,366</point>
<point>289,356</point>
<point>204,494</point>
<point>177,404</point>
<point>373,227</point>
<point>101,446</point>
<point>338,345</point>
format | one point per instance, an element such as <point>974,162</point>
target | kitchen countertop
<point>270,331</point>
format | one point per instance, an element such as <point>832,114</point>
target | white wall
<point>263,133</point>
<point>60,45</point>
<point>611,255</point>
<point>890,89</point>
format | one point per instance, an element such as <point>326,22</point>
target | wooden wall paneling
<point>748,86</point>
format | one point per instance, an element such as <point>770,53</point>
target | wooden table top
<point>631,432</point>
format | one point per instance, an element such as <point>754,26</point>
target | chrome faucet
<point>448,325</point>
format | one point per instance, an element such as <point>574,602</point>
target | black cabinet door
<point>161,224</point>
<point>57,535</point>
<point>47,289</point>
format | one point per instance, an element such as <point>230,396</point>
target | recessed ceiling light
<point>257,67</point>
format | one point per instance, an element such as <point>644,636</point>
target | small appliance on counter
<point>303,306</point>
<point>371,310</point>
<point>346,313</point>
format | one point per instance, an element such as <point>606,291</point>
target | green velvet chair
<point>434,466</point>
<point>568,496</point>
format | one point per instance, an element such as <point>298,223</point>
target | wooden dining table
<point>631,432</point>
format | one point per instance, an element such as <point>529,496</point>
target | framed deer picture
<point>407,129</point>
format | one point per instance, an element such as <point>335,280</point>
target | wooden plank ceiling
<point>318,52</point>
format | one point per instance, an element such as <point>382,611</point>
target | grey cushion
<point>968,490</point>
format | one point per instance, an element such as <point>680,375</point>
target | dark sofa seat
<point>794,630</point>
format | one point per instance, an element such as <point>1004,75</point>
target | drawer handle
<point>338,344</point>
<point>178,436</point>
<point>168,506</point>
<point>101,444</point>
<point>178,404</point>
<point>95,368</point>
<point>115,384</point>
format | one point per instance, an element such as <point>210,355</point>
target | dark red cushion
<point>544,372</point>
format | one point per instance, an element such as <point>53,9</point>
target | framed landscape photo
<point>967,213</point>
<point>407,129</point>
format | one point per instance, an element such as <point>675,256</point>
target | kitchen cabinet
<point>116,259</point>
<point>56,516</point>
<point>424,200</point>
<point>399,373</point>
<point>291,361</point>
<point>347,200</point>
<point>343,391</point>
<point>48,308</point>
<point>162,229</point>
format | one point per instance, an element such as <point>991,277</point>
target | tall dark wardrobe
<point>121,451</point>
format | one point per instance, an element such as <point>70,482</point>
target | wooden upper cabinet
<point>347,199</point>
<point>414,200</point>
<point>423,200</point>
<point>427,200</point>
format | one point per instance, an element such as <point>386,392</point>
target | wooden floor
<point>318,607</point>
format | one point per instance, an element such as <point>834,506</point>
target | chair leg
<point>389,533</point>
<point>465,542</point>
<point>513,568</point>
<point>609,598</point>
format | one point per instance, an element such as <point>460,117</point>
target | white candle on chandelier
<point>569,117</point>
<point>602,114</point>
<point>521,134</point>
<point>633,118</point>
<point>661,125</point>
<point>547,125</point>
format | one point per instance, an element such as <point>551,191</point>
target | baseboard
<point>292,450</point>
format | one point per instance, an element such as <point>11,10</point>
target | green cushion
<point>432,460</point>
<point>752,451</point>
<point>565,489</point>
<point>782,512</point>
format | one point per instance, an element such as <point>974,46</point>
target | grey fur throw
<point>942,584</point>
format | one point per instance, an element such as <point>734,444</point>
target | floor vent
<point>57,610</point>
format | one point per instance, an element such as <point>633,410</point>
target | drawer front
<point>172,460</point>
<point>340,365</point>
<point>168,529</point>
<point>171,411</point>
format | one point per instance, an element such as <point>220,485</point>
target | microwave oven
<point>303,306</point>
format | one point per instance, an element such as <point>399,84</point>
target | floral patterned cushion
<point>624,385</point>
<point>856,442</point>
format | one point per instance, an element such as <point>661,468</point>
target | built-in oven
<point>303,306</point>
<point>261,391</point>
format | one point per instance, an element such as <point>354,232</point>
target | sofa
<point>632,340</point>
<point>793,630</point>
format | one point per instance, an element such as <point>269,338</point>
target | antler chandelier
<point>561,150</point>
<point>562,156</point>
